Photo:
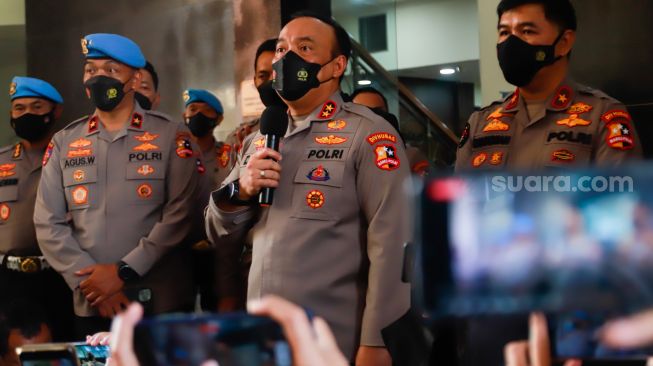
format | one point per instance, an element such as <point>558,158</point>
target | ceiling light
<point>364,82</point>
<point>447,71</point>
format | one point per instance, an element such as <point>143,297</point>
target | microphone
<point>274,123</point>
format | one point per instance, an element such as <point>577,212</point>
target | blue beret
<point>113,46</point>
<point>199,95</point>
<point>24,87</point>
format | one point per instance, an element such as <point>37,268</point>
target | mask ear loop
<point>557,58</point>
<point>321,66</point>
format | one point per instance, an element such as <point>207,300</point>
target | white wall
<point>12,12</point>
<point>422,33</point>
<point>436,33</point>
<point>492,82</point>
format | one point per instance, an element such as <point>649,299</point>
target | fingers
<point>325,338</point>
<point>292,319</point>
<point>632,332</point>
<point>98,339</point>
<point>266,153</point>
<point>516,353</point>
<point>539,344</point>
<point>573,363</point>
<point>122,335</point>
<point>85,271</point>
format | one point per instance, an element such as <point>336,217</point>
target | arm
<point>464,151</point>
<point>388,212</point>
<point>614,149</point>
<point>174,226</point>
<point>53,231</point>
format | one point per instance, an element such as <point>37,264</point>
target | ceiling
<point>343,5</point>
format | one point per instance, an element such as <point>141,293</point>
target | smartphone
<point>88,355</point>
<point>236,339</point>
<point>52,354</point>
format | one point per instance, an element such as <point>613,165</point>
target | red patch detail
<point>315,199</point>
<point>620,135</point>
<point>607,117</point>
<point>381,136</point>
<point>48,153</point>
<point>223,155</point>
<point>386,157</point>
<point>328,110</point>
<point>513,101</point>
<point>92,124</point>
<point>184,148</point>
<point>144,190</point>
<point>5,211</point>
<point>200,166</point>
<point>563,155</point>
<point>563,98</point>
<point>137,121</point>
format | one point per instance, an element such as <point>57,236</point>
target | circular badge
<point>80,195</point>
<point>79,175</point>
<point>5,211</point>
<point>315,199</point>
<point>144,190</point>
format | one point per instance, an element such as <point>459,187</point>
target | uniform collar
<point>324,112</point>
<point>560,100</point>
<point>136,123</point>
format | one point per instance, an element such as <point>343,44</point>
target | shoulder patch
<point>160,115</point>
<point>76,122</point>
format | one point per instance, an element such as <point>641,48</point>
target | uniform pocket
<point>8,195</point>
<point>80,185</point>
<point>317,190</point>
<point>145,183</point>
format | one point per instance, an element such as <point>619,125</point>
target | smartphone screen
<point>230,339</point>
<point>92,355</point>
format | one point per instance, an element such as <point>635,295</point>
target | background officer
<point>233,267</point>
<point>328,242</point>
<point>203,112</point>
<point>115,195</point>
<point>147,93</point>
<point>24,273</point>
<point>550,120</point>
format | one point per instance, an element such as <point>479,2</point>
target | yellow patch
<point>330,140</point>
<point>496,125</point>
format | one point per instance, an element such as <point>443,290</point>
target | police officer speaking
<point>115,195</point>
<point>332,239</point>
<point>550,120</point>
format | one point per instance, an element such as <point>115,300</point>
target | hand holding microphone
<point>263,171</point>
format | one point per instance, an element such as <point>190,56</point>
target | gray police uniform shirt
<point>20,171</point>
<point>577,126</point>
<point>104,199</point>
<point>340,203</point>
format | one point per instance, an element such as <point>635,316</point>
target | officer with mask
<point>203,112</point>
<point>147,94</point>
<point>24,272</point>
<point>115,197</point>
<point>332,239</point>
<point>550,120</point>
<point>233,265</point>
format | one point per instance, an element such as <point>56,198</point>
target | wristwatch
<point>232,194</point>
<point>126,273</point>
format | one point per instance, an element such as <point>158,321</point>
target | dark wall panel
<point>614,52</point>
<point>190,42</point>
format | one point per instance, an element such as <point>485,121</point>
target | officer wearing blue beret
<point>203,112</point>
<point>24,273</point>
<point>116,195</point>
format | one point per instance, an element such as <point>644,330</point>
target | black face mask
<point>32,127</point>
<point>268,95</point>
<point>295,76</point>
<point>520,61</point>
<point>106,92</point>
<point>200,125</point>
<point>143,101</point>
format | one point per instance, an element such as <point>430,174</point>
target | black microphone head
<point>274,120</point>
